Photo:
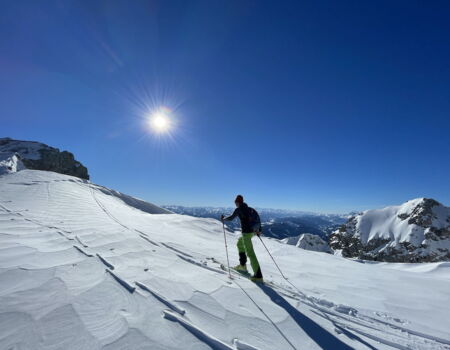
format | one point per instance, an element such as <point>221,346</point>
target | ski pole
<point>226,249</point>
<point>273,258</point>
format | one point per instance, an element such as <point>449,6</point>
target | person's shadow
<point>321,337</point>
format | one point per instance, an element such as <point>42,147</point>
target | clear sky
<point>326,106</point>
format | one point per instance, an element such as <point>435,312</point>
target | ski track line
<point>266,316</point>
<point>103,260</point>
<point>102,207</point>
<point>312,302</point>
<point>369,323</point>
<point>122,282</point>
<point>162,299</point>
<point>149,240</point>
<point>207,338</point>
<point>320,311</point>
<point>401,332</point>
<point>403,329</point>
<point>377,339</point>
<point>196,263</point>
<point>339,323</point>
<point>357,319</point>
<point>176,250</point>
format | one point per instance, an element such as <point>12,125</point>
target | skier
<point>250,225</point>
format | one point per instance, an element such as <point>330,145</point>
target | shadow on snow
<point>321,337</point>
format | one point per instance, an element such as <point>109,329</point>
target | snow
<point>26,149</point>
<point>10,163</point>
<point>308,241</point>
<point>85,267</point>
<point>386,224</point>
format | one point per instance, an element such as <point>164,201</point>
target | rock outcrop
<point>38,156</point>
<point>416,231</point>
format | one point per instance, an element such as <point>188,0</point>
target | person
<point>250,225</point>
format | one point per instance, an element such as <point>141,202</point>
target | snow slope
<point>80,268</point>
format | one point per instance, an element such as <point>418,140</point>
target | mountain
<point>416,231</point>
<point>85,267</point>
<point>38,156</point>
<point>276,223</point>
<point>309,241</point>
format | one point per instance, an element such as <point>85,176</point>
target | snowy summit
<point>416,231</point>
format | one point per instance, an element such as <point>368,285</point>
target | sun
<point>160,121</point>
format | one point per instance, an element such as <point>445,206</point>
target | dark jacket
<point>243,212</point>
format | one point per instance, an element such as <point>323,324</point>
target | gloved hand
<point>222,217</point>
<point>258,233</point>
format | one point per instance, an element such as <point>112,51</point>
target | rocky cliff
<point>16,154</point>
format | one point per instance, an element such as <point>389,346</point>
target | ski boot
<point>241,268</point>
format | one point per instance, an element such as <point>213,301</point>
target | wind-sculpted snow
<point>61,237</point>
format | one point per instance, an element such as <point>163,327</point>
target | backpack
<point>254,220</point>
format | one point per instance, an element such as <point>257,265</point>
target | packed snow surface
<point>83,267</point>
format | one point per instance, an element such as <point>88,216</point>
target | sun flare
<point>160,121</point>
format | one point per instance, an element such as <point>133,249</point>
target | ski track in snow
<point>349,325</point>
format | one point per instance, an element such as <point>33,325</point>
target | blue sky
<point>320,105</point>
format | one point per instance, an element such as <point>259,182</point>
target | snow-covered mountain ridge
<point>16,155</point>
<point>83,267</point>
<point>416,231</point>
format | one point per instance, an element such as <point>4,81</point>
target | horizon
<point>316,107</point>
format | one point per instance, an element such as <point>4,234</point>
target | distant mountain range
<point>416,231</point>
<point>277,223</point>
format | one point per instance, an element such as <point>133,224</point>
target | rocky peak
<point>416,231</point>
<point>422,213</point>
<point>39,156</point>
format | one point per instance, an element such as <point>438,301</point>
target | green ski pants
<point>245,248</point>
